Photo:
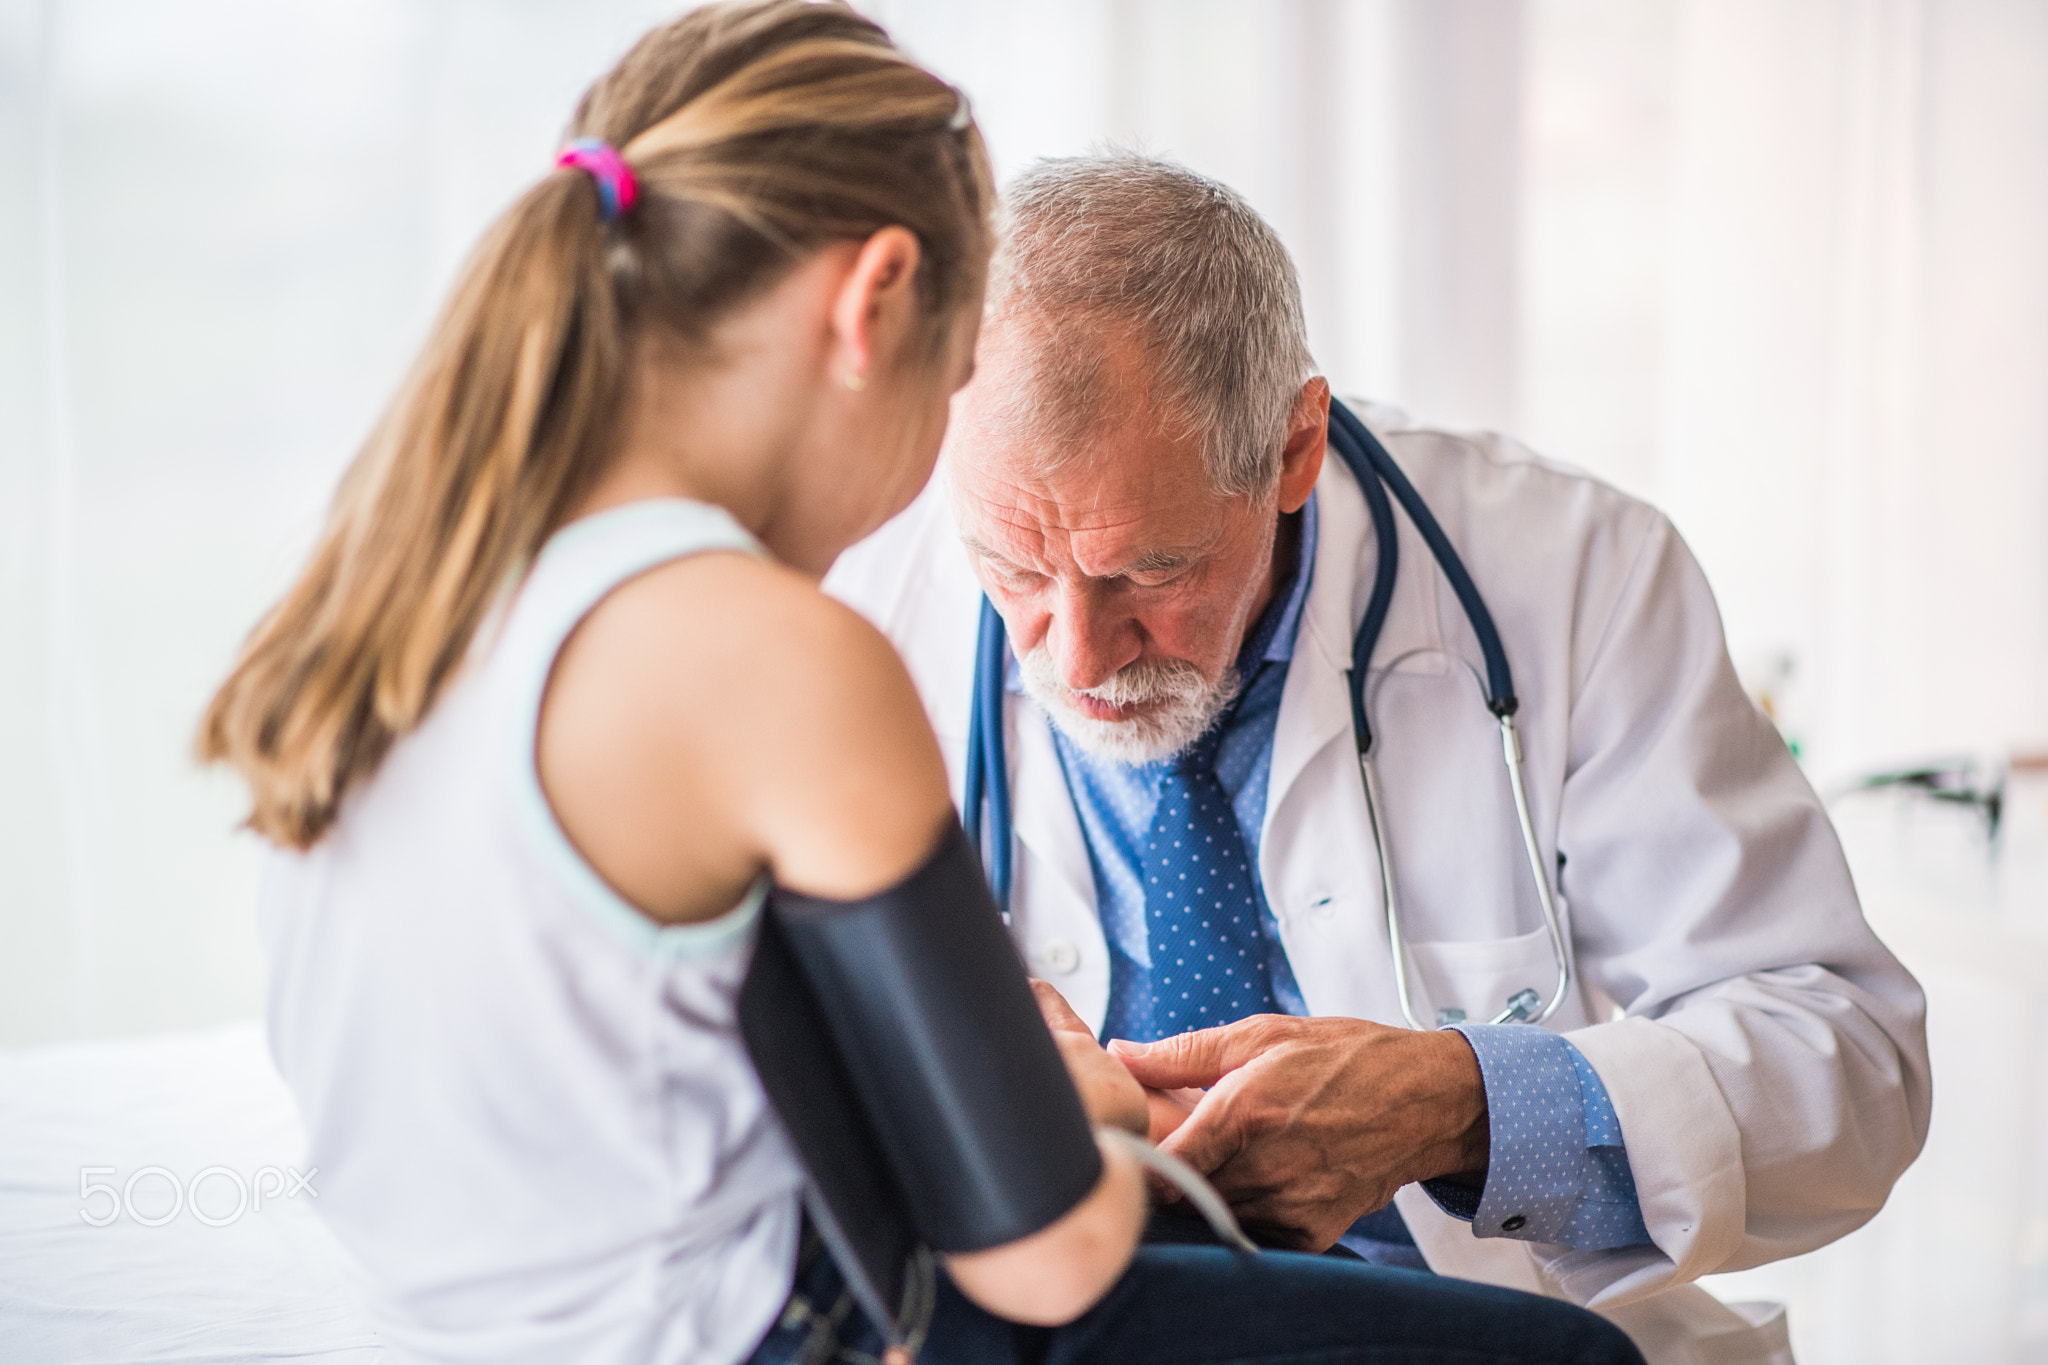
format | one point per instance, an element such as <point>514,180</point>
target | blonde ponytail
<point>757,132</point>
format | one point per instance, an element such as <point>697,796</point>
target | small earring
<point>856,381</point>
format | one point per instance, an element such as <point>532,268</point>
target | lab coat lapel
<point>1315,706</point>
<point>1315,857</point>
<point>1047,825</point>
<point>1055,922</point>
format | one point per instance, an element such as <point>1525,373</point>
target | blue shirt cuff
<point>1557,1168</point>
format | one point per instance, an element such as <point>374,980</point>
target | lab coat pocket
<point>1479,976</point>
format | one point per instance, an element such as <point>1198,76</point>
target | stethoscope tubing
<point>985,755</point>
<point>1362,452</point>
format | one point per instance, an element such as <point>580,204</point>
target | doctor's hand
<point>1310,1123</point>
<point>1108,1092</point>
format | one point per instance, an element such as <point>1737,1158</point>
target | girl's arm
<point>719,716</point>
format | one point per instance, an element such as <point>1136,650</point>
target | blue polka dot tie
<point>1201,914</point>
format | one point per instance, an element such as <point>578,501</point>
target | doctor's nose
<point>1090,641</point>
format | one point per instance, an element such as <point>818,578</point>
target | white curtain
<point>1856,421</point>
<point>224,225</point>
<point>1779,265</point>
<point>1776,264</point>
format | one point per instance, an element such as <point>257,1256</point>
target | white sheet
<point>269,1285</point>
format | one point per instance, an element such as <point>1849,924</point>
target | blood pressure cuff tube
<point>931,1035</point>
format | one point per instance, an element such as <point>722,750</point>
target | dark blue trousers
<point>1206,1305</point>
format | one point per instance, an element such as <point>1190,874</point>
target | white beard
<point>1179,705</point>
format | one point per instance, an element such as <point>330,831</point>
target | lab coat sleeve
<point>1770,1070</point>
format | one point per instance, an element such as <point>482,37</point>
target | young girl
<point>556,696</point>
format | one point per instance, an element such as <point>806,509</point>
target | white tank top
<point>536,1129</point>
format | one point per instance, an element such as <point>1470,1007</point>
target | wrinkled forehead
<point>1062,377</point>
<point>1124,488</point>
<point>1084,520</point>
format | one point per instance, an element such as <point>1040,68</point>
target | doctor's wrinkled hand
<point>1310,1123</point>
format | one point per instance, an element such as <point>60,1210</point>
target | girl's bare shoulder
<point>740,631</point>
<point>729,697</point>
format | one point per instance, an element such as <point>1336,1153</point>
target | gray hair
<point>1123,239</point>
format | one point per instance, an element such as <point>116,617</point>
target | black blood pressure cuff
<point>900,1044</point>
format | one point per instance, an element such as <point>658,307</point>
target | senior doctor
<point>1136,479</point>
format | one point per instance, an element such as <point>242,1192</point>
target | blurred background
<point>1780,266</point>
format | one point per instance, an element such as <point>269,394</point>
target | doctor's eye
<point>1014,578</point>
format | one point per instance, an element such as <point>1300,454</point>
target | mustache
<point>1174,702</point>
<point>1140,683</point>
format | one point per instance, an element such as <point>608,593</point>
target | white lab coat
<point>1765,1054</point>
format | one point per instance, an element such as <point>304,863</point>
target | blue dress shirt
<point>1557,1171</point>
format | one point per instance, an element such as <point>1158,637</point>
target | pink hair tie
<point>616,188</point>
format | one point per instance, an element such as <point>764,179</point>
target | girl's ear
<point>875,304</point>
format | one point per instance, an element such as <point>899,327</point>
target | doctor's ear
<point>1308,436</point>
<point>877,306</point>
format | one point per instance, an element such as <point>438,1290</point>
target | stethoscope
<point>1376,473</point>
